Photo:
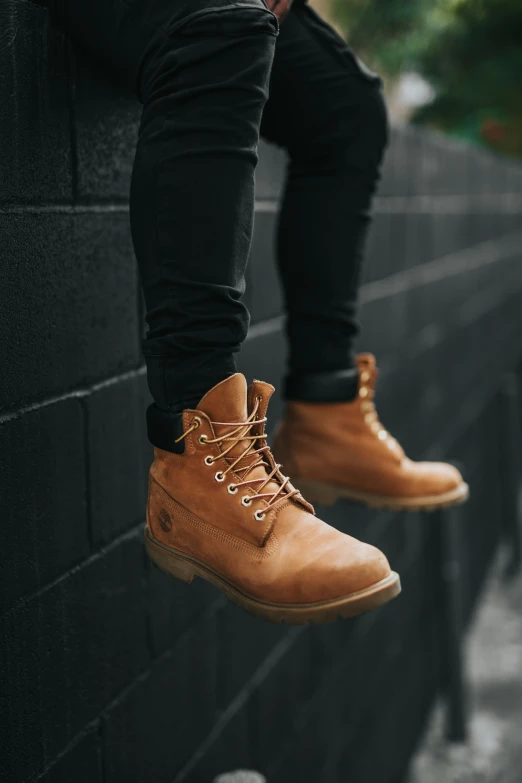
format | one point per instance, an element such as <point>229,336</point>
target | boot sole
<point>327,494</point>
<point>186,569</point>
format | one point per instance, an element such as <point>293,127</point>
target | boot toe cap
<point>362,566</point>
<point>440,477</point>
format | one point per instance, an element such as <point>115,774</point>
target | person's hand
<point>279,7</point>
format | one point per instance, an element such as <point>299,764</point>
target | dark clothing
<point>327,110</point>
<point>203,70</point>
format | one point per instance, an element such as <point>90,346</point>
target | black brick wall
<point>110,672</point>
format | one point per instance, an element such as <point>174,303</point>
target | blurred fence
<point>111,672</point>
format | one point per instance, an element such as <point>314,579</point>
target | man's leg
<point>218,506</point>
<point>201,69</point>
<point>328,111</point>
<point>192,196</point>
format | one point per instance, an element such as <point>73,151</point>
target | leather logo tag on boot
<point>165,520</point>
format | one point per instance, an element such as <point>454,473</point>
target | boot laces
<point>371,416</point>
<point>241,432</point>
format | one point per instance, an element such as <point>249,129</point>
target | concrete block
<point>42,498</point>
<point>69,308</point>
<point>68,652</point>
<point>171,711</point>
<point>118,466</point>
<point>81,763</point>
<point>36,160</point>
<point>265,298</point>
<point>106,131</point>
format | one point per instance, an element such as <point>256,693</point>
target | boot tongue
<point>227,402</point>
<point>230,402</point>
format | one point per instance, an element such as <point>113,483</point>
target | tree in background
<point>470,51</point>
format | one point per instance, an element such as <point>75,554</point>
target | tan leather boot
<point>341,450</point>
<point>223,511</point>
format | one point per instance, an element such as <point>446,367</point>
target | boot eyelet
<point>259,515</point>
<point>382,435</point>
<point>246,500</point>
<point>363,392</point>
<point>196,421</point>
<point>368,418</point>
<point>365,376</point>
<point>232,489</point>
<point>208,460</point>
<point>203,438</point>
<point>219,476</point>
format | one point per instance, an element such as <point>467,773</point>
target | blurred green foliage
<point>470,51</point>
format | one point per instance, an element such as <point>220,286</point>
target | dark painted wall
<point>110,672</point>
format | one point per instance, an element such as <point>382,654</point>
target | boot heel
<point>315,492</point>
<point>168,563</point>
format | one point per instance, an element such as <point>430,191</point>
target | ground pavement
<point>493,753</point>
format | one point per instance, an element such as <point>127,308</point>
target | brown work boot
<point>341,450</point>
<point>222,510</point>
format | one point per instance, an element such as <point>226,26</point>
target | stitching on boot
<point>179,511</point>
<point>187,417</point>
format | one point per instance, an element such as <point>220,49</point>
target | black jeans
<point>203,70</point>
